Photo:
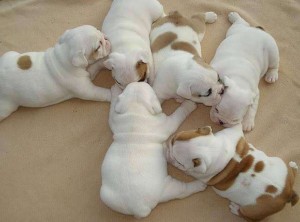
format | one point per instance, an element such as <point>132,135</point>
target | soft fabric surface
<point>50,157</point>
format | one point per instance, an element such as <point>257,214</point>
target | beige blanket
<point>50,157</point>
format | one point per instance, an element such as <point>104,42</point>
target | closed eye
<point>207,94</point>
<point>100,44</point>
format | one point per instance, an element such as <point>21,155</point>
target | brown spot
<point>24,62</point>
<point>184,46</point>
<point>271,189</point>
<point>178,20</point>
<point>242,147</point>
<point>141,69</point>
<point>187,135</point>
<point>259,166</point>
<point>197,162</point>
<point>201,62</point>
<point>267,204</point>
<point>224,179</point>
<point>162,41</point>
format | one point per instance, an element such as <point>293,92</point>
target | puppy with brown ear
<point>257,185</point>
<point>39,79</point>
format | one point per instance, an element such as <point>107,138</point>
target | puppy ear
<point>121,106</point>
<point>227,82</point>
<point>143,56</point>
<point>206,130</point>
<point>108,64</point>
<point>79,60</point>
<point>152,105</point>
<point>184,90</point>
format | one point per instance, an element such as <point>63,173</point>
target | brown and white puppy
<point>39,79</point>
<point>257,185</point>
<point>180,71</point>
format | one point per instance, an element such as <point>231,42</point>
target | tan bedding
<point>50,157</point>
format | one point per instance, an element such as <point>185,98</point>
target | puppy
<point>180,70</point>
<point>38,79</point>
<point>246,55</point>
<point>134,169</point>
<point>256,185</point>
<point>127,26</point>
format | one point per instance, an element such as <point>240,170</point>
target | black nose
<point>221,123</point>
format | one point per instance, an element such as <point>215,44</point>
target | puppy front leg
<point>249,118</point>
<point>175,189</point>
<point>180,114</point>
<point>88,91</point>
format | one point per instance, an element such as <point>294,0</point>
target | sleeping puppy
<point>180,70</point>
<point>246,55</point>
<point>38,79</point>
<point>127,26</point>
<point>257,185</point>
<point>134,169</point>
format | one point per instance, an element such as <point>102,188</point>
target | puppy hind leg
<point>235,18</point>
<point>271,75</point>
<point>210,17</point>
<point>6,108</point>
<point>249,118</point>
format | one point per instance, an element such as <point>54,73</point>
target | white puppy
<point>180,71</point>
<point>246,55</point>
<point>127,26</point>
<point>256,185</point>
<point>38,79</point>
<point>134,170</point>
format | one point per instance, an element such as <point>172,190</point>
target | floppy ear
<point>227,82</point>
<point>184,90</point>
<point>152,105</point>
<point>121,105</point>
<point>108,64</point>
<point>143,56</point>
<point>78,59</point>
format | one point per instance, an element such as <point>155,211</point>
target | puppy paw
<point>189,105</point>
<point>248,125</point>
<point>234,208</point>
<point>233,16</point>
<point>293,165</point>
<point>271,76</point>
<point>198,186</point>
<point>179,100</point>
<point>210,17</point>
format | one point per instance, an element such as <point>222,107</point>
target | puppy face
<point>128,67</point>
<point>194,158</point>
<point>204,87</point>
<point>86,45</point>
<point>138,93</point>
<point>233,106</point>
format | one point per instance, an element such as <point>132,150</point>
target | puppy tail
<point>294,198</point>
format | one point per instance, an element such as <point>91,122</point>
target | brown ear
<point>141,69</point>
<point>203,131</point>
<point>197,162</point>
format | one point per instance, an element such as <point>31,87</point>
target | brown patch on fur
<point>162,41</point>
<point>197,162</point>
<point>242,148</point>
<point>267,205</point>
<point>271,189</point>
<point>225,179</point>
<point>187,135</point>
<point>141,69</point>
<point>177,19</point>
<point>201,62</point>
<point>24,62</point>
<point>184,46</point>
<point>259,166</point>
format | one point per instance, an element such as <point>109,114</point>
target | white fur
<point>246,55</point>
<point>134,170</point>
<point>215,151</point>
<point>177,74</point>
<point>55,75</point>
<point>127,26</point>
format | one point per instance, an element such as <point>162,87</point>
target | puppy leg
<point>85,89</point>
<point>175,189</point>
<point>234,208</point>
<point>6,109</point>
<point>272,73</point>
<point>95,68</point>
<point>237,23</point>
<point>175,119</point>
<point>249,118</point>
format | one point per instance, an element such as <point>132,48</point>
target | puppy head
<point>128,67</point>
<point>190,151</point>
<point>86,44</point>
<point>233,106</point>
<point>202,85</point>
<point>138,93</point>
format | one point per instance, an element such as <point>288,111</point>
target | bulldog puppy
<point>257,185</point>
<point>134,169</point>
<point>127,26</point>
<point>181,73</point>
<point>38,79</point>
<point>246,55</point>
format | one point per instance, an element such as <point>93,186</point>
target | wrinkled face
<point>204,88</point>
<point>128,67</point>
<point>232,108</point>
<point>188,156</point>
<point>139,93</point>
<point>86,45</point>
